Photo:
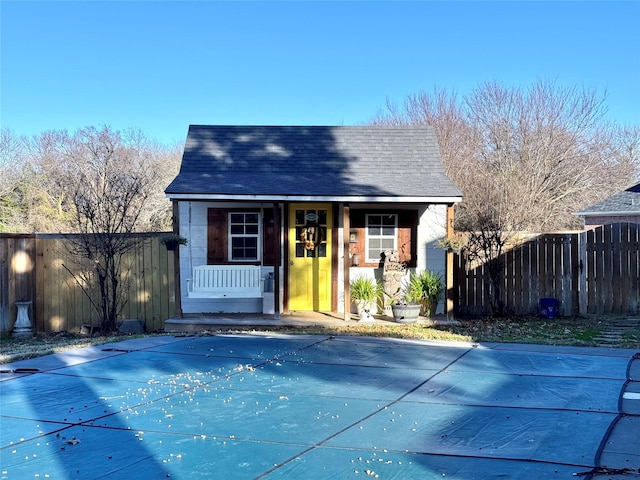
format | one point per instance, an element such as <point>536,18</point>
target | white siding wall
<point>193,226</point>
<point>432,228</point>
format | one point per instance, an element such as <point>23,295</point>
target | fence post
<point>582,273</point>
<point>567,275</point>
<point>4,285</point>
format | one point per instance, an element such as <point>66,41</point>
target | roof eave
<point>617,213</point>
<point>314,198</point>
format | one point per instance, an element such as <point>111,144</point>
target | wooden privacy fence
<point>37,268</point>
<point>591,272</point>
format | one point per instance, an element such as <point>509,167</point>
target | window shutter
<point>408,236</point>
<point>269,240</point>
<point>216,236</point>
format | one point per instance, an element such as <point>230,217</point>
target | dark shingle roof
<point>625,202</point>
<point>312,161</point>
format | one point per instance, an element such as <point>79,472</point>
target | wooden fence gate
<point>591,272</point>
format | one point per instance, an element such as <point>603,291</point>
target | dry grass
<point>578,331</point>
<point>12,349</point>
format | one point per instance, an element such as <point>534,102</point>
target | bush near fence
<point>592,272</point>
<point>34,268</point>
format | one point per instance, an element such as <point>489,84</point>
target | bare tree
<point>108,181</point>
<point>623,149</point>
<point>158,212</point>
<point>443,111</point>
<point>35,195</point>
<point>98,186</point>
<point>46,196</point>
<point>12,161</point>
<point>526,160</point>
<point>10,158</point>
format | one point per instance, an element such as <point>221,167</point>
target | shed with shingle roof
<point>311,206</point>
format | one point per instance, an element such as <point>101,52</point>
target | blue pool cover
<point>320,407</point>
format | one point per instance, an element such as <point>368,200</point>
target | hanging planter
<point>172,241</point>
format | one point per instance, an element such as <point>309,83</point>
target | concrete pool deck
<point>318,407</point>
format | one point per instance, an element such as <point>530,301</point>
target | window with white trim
<point>382,234</point>
<point>244,236</point>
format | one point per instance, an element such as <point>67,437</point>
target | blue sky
<point>160,66</point>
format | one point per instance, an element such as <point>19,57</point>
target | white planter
<point>22,326</point>
<point>364,308</point>
<point>268,306</point>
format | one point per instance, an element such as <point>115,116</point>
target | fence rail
<point>591,272</point>
<point>39,268</point>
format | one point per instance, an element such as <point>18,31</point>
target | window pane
<point>251,242</point>
<point>237,248</point>
<point>300,217</point>
<point>251,230</point>
<point>251,218</point>
<point>375,254</point>
<point>236,218</point>
<point>387,244</point>
<point>237,229</point>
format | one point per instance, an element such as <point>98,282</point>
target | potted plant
<point>451,244</point>
<point>172,240</point>
<point>427,289</point>
<point>365,293</point>
<point>405,306</point>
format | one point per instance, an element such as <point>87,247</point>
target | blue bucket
<point>549,307</point>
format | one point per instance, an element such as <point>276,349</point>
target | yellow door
<point>310,257</point>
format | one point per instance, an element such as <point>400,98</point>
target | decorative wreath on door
<point>309,237</point>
